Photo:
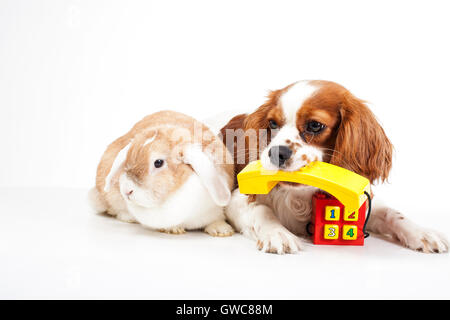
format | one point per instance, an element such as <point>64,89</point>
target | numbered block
<point>332,213</point>
<point>350,216</point>
<point>331,231</point>
<point>349,232</point>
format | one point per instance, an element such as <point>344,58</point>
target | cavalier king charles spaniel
<point>304,122</point>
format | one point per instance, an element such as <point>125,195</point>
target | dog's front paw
<point>278,240</point>
<point>423,240</point>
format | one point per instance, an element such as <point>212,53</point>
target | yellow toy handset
<point>347,186</point>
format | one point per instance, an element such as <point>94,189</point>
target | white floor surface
<point>53,246</point>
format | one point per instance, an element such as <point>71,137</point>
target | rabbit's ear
<point>118,161</point>
<point>211,178</point>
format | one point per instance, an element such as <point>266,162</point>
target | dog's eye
<point>273,124</point>
<point>158,163</point>
<point>314,127</point>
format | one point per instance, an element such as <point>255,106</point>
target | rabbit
<point>169,173</point>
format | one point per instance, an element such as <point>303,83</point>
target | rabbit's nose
<point>128,193</point>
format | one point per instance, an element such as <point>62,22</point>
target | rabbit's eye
<point>273,124</point>
<point>158,163</point>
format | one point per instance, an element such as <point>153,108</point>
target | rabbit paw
<point>174,230</point>
<point>219,229</point>
<point>126,217</point>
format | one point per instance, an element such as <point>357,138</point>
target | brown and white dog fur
<point>169,172</point>
<point>303,122</point>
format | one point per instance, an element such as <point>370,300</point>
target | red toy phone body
<point>332,224</point>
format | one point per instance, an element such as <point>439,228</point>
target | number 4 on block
<point>349,232</point>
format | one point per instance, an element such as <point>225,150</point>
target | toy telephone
<point>339,216</point>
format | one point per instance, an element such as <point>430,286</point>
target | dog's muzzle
<point>279,155</point>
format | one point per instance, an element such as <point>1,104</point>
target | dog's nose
<point>279,155</point>
<point>129,192</point>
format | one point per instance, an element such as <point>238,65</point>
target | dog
<point>312,120</point>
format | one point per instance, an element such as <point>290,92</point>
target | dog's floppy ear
<point>361,143</point>
<point>213,180</point>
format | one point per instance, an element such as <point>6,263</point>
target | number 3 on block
<point>331,231</point>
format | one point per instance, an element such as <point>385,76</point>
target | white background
<point>75,75</point>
